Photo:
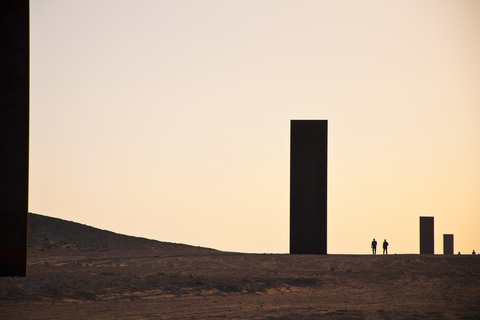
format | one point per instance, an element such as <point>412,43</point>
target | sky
<point>170,120</point>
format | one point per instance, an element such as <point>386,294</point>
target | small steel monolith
<point>426,235</point>
<point>448,244</point>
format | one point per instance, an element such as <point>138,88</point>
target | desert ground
<point>80,272</point>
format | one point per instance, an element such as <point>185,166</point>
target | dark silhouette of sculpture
<point>14,136</point>
<point>308,186</point>
<point>385,246</point>
<point>426,235</point>
<point>448,244</point>
<point>374,246</point>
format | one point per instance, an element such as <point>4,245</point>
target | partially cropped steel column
<point>308,186</point>
<point>448,244</point>
<point>426,235</point>
<point>14,122</point>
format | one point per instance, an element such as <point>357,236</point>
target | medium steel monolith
<point>308,186</point>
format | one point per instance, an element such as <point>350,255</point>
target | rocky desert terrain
<point>80,272</point>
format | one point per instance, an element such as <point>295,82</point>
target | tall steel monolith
<point>448,244</point>
<point>14,135</point>
<point>426,235</point>
<point>308,186</point>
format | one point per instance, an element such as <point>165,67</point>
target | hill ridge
<point>49,232</point>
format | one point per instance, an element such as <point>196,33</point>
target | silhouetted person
<point>473,252</point>
<point>374,246</point>
<point>385,246</point>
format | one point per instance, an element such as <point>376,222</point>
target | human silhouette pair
<point>384,246</point>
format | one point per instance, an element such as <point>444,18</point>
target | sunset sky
<point>170,120</point>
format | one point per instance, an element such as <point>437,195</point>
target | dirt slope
<point>80,272</point>
<point>47,232</point>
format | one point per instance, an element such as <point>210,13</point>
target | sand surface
<point>79,272</point>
